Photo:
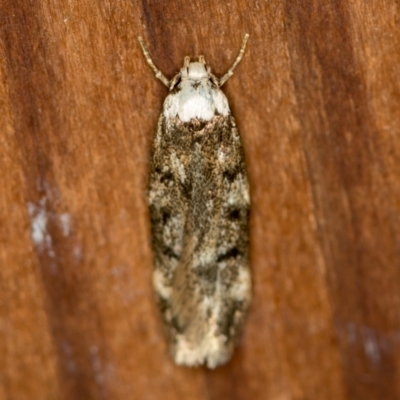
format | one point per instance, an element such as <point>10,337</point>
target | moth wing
<point>167,213</point>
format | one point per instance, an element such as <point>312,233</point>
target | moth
<point>199,208</point>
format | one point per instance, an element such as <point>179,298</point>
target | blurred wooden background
<point>317,101</point>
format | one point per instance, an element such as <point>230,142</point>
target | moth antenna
<point>237,61</point>
<point>159,75</point>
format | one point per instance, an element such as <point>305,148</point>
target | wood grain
<point>317,100</point>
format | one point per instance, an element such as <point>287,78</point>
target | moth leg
<point>174,81</point>
<point>214,80</point>
<point>159,75</point>
<point>237,61</point>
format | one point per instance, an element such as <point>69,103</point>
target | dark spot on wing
<point>227,323</point>
<point>232,253</point>
<point>230,175</point>
<point>167,251</point>
<point>165,215</point>
<point>166,177</point>
<point>187,188</point>
<point>234,214</point>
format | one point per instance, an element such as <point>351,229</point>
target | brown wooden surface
<point>317,101</point>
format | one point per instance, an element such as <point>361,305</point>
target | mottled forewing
<point>199,204</point>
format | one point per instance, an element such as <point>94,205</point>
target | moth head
<point>195,71</point>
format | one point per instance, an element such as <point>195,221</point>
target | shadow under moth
<point>199,207</point>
